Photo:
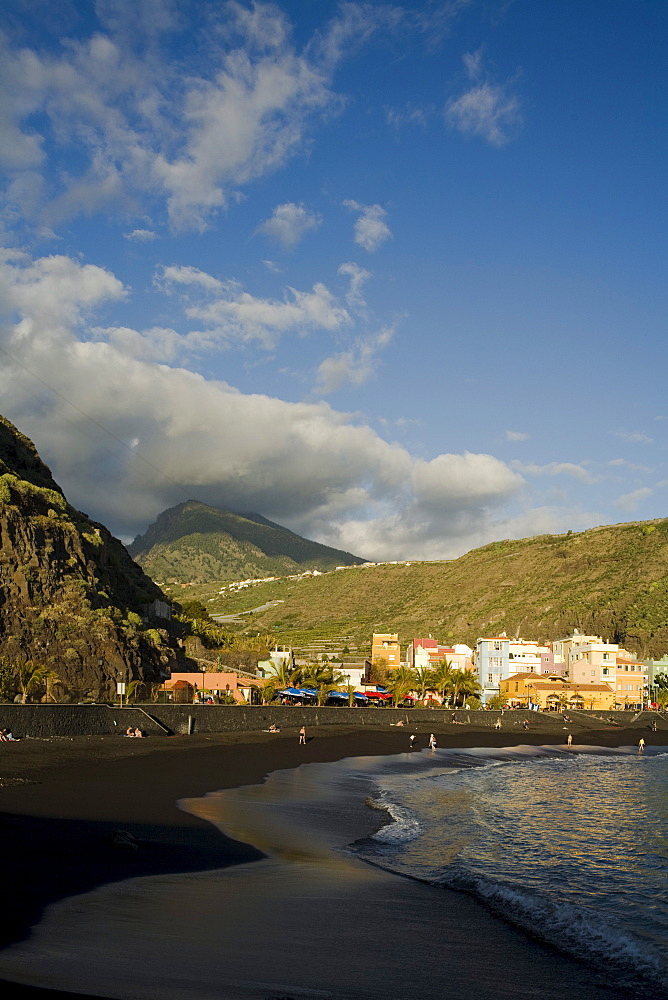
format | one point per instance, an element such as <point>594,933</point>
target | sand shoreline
<point>87,789</point>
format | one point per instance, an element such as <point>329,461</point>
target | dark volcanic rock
<point>71,598</point>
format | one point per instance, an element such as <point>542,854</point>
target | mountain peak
<point>194,541</point>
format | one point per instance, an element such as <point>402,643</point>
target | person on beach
<point>641,745</point>
<point>569,741</point>
<point>497,724</point>
<point>411,740</point>
<point>138,734</point>
<point>432,742</point>
<point>7,736</point>
<point>130,732</point>
<point>302,735</point>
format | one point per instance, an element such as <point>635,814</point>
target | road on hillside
<point>251,611</point>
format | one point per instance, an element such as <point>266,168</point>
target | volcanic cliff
<point>71,598</point>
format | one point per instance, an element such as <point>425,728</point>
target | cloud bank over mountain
<point>359,267</point>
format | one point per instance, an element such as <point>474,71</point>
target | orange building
<point>385,647</point>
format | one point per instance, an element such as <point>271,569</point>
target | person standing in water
<point>432,742</point>
<point>302,735</point>
<point>569,741</point>
<point>641,745</point>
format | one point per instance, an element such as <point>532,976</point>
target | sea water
<point>570,847</point>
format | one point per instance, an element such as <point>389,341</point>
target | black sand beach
<point>71,811</point>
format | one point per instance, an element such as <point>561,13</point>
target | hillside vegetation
<point>196,542</point>
<point>611,581</point>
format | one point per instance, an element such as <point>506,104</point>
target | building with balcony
<point>385,650</point>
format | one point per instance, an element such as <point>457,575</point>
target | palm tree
<point>30,677</point>
<point>401,683</point>
<point>464,682</point>
<point>324,679</point>
<point>424,681</point>
<point>283,675</point>
<point>442,679</point>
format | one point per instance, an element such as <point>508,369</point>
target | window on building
<point>490,678</point>
<point>497,645</point>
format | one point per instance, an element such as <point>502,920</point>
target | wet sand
<point>67,832</point>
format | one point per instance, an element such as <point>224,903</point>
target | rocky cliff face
<point>71,598</point>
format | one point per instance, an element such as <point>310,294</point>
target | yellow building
<point>385,650</point>
<point>632,681</point>
<point>553,694</point>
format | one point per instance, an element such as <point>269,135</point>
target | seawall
<point>45,721</point>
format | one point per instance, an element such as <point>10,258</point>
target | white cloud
<point>628,502</point>
<point>147,125</point>
<point>555,469</point>
<point>154,344</point>
<point>171,434</point>
<point>353,367</point>
<point>54,290</point>
<point>141,235</point>
<point>358,277</point>
<point>634,437</point>
<point>231,314</point>
<point>371,230</point>
<point>396,118</point>
<point>517,436</point>
<point>289,223</point>
<point>489,110</point>
<point>272,266</point>
<point>622,463</point>
<point>175,274</point>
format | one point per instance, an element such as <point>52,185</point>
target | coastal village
<point>577,672</point>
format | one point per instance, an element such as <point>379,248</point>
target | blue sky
<point>390,274</point>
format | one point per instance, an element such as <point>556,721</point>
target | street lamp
<point>203,669</point>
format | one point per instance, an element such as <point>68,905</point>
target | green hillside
<point>196,542</point>
<point>611,581</point>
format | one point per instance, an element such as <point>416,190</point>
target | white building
<point>429,653</point>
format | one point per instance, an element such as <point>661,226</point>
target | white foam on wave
<point>571,929</point>
<point>404,825</point>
